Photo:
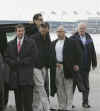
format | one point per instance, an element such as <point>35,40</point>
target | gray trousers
<point>40,99</point>
<point>64,90</point>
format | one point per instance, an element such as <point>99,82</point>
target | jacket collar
<point>66,38</point>
<point>78,36</point>
<point>22,47</point>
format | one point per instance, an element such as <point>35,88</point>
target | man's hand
<point>76,68</point>
<point>93,67</point>
<point>59,66</point>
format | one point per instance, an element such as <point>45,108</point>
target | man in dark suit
<point>1,96</point>
<point>65,59</point>
<point>21,57</point>
<point>3,75</point>
<point>89,59</point>
<point>1,84</point>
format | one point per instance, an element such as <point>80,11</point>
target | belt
<point>59,62</point>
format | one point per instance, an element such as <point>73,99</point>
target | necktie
<point>19,46</point>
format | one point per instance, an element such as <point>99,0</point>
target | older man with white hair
<point>64,60</point>
<point>88,59</point>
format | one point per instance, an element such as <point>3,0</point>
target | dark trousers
<point>46,86</point>
<point>85,79</point>
<point>1,96</point>
<point>24,98</point>
<point>6,94</point>
<point>46,82</point>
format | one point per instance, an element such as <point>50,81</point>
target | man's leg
<point>45,89</point>
<point>1,97</point>
<point>18,99</point>
<point>60,88</point>
<point>6,94</point>
<point>74,86</point>
<point>68,84</point>
<point>86,84</point>
<point>46,82</point>
<point>27,92</point>
<point>38,90</point>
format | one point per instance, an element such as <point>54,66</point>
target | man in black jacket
<point>3,75</point>
<point>21,56</point>
<point>34,27</point>
<point>41,67</point>
<point>65,59</point>
<point>89,59</point>
<point>1,84</point>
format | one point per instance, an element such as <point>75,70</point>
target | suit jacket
<point>71,57</point>
<point>2,68</point>
<point>92,59</point>
<point>3,47</point>
<point>21,65</point>
<point>3,43</point>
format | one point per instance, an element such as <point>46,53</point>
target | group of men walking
<point>28,58</point>
<point>71,61</point>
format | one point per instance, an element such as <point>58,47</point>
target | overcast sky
<point>24,9</point>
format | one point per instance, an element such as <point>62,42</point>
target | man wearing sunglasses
<point>34,27</point>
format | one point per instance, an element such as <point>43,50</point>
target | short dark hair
<point>44,25</point>
<point>19,26</point>
<point>35,17</point>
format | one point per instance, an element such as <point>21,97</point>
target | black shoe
<point>86,106</point>
<point>60,110</point>
<point>73,106</point>
<point>63,110</point>
<point>67,110</point>
<point>53,110</point>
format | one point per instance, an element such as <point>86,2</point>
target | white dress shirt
<point>83,39</point>
<point>59,50</point>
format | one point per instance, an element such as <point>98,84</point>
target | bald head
<point>61,32</point>
<point>82,28</point>
<point>60,28</point>
<point>82,25</point>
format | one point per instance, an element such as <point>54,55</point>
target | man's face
<point>43,31</point>
<point>82,30</point>
<point>61,34</point>
<point>39,21</point>
<point>20,32</point>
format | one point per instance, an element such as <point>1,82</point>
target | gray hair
<point>61,28</point>
<point>82,24</point>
